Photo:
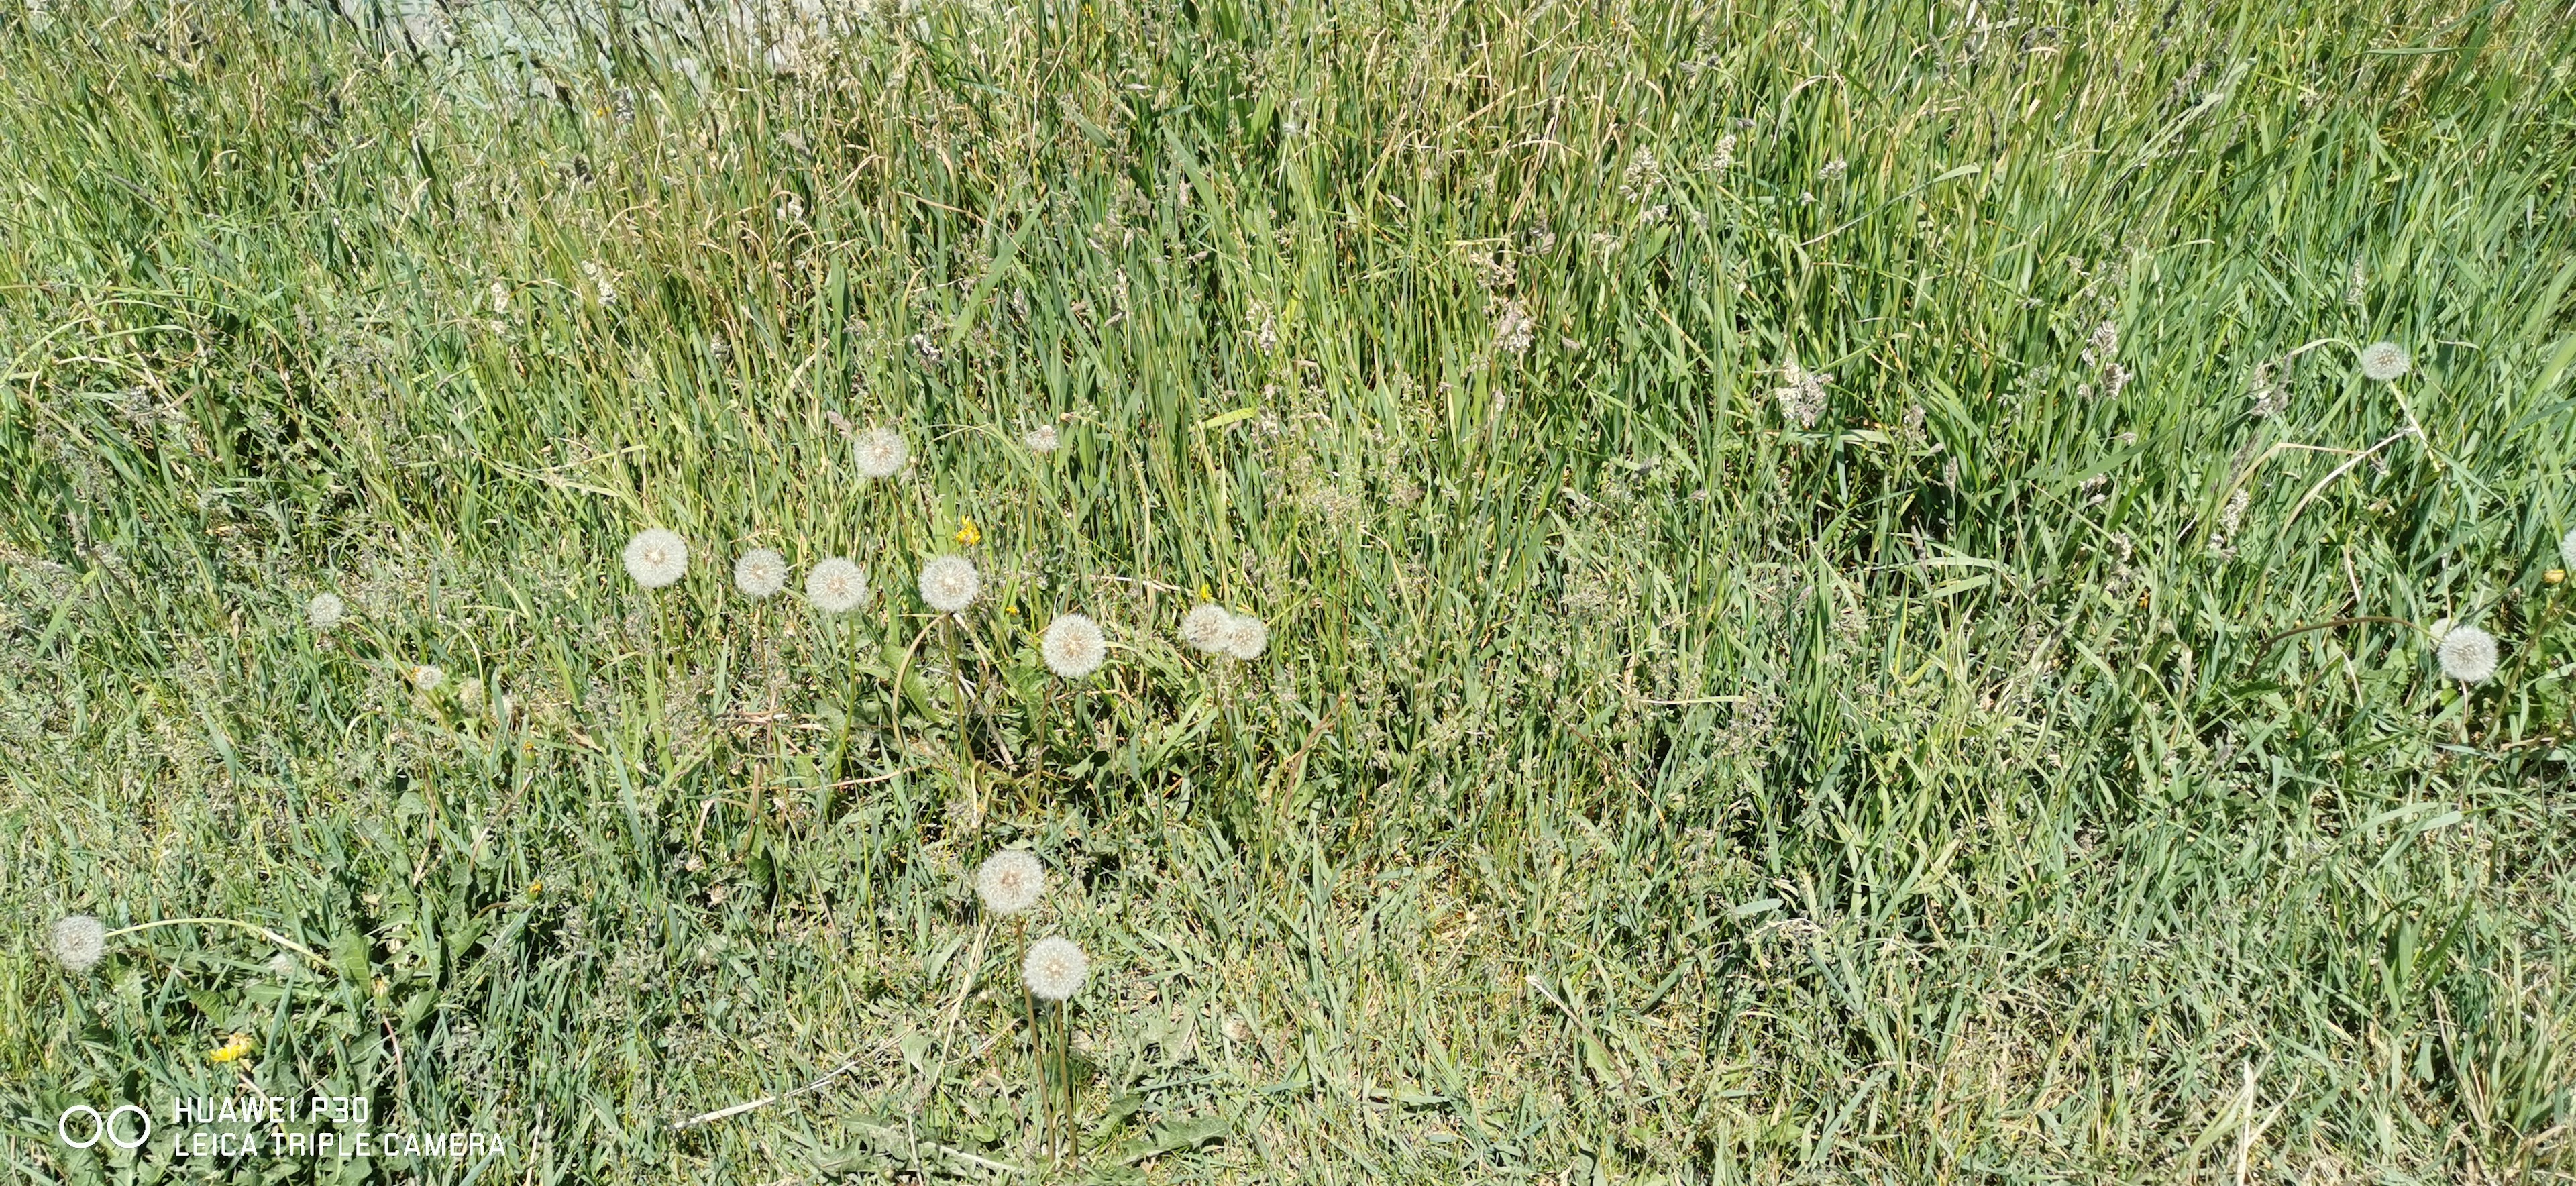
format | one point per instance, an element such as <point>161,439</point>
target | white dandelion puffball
<point>836,586</point>
<point>78,941</point>
<point>427,677</point>
<point>2468,654</point>
<point>880,453</point>
<point>1074,646</point>
<point>656,557</point>
<point>1246,637</point>
<point>1055,970</point>
<point>326,609</point>
<point>2567,548</point>
<point>2385,361</point>
<point>1040,440</point>
<point>1204,627</point>
<point>949,584</point>
<point>760,574</point>
<point>1010,881</point>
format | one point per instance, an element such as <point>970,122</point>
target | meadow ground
<point>1777,525</point>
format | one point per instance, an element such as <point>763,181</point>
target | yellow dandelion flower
<point>969,535</point>
<point>535,888</point>
<point>234,1049</point>
<point>1204,595</point>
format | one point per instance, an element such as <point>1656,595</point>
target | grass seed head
<point>1802,398</point>
<point>836,586</point>
<point>2468,654</point>
<point>950,583</point>
<point>656,557</point>
<point>1010,881</point>
<point>2385,362</point>
<point>1204,627</point>
<point>326,609</point>
<point>1055,970</point>
<point>760,573</point>
<point>880,453</point>
<point>77,942</point>
<point>1073,646</point>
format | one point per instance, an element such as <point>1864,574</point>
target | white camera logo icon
<point>105,1126</point>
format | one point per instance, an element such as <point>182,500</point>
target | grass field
<point>1776,523</point>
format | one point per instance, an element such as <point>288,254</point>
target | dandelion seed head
<point>836,586</point>
<point>1040,440</point>
<point>1010,881</point>
<point>656,557</point>
<point>950,583</point>
<point>469,695</point>
<point>2567,548</point>
<point>283,967</point>
<point>1246,637</point>
<point>2385,362</point>
<point>77,942</point>
<point>880,453</point>
<point>1055,970</point>
<point>2468,654</point>
<point>1073,646</point>
<point>326,610</point>
<point>1204,627</point>
<point>426,677</point>
<point>760,573</point>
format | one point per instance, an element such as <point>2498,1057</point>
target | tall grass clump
<point>1712,593</point>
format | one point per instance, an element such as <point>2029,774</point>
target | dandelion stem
<point>1037,1055</point>
<point>949,628</point>
<point>2411,429</point>
<point>1064,1070</point>
<point>937,1071</point>
<point>2264,651</point>
<point>902,669</point>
